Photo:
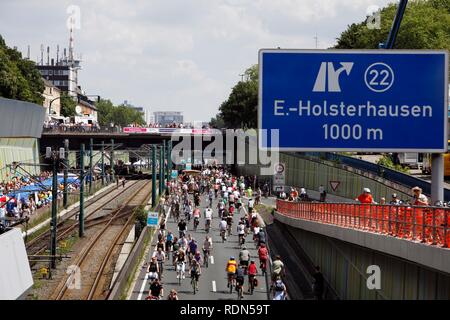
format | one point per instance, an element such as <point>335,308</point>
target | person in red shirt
<point>263,255</point>
<point>365,197</point>
<point>252,272</point>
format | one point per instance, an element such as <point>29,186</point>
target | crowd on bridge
<point>236,208</point>
<point>55,125</point>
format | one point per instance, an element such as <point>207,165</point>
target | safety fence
<point>428,225</point>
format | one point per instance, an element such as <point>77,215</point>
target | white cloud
<point>178,54</point>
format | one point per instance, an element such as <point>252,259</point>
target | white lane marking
<point>214,286</point>
<point>211,258</point>
<point>141,292</point>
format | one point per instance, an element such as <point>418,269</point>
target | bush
<point>386,161</point>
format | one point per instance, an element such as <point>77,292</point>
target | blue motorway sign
<point>352,100</point>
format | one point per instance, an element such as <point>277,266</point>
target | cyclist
<point>252,272</point>
<point>197,257</point>
<point>263,255</point>
<point>175,248</point>
<point>277,268</point>
<point>172,295</point>
<point>251,204</point>
<point>207,246</point>
<point>279,290</point>
<point>169,243</point>
<point>240,278</point>
<point>156,290</point>
<point>192,249</point>
<point>231,209</point>
<point>180,262</point>
<point>231,270</point>
<point>241,232</point>
<point>153,269</point>
<point>182,228</point>
<point>160,245</point>
<point>229,223</point>
<point>244,258</point>
<point>183,243</point>
<point>210,197</point>
<point>261,237</point>
<point>223,228</point>
<point>208,218</point>
<point>160,258</point>
<point>188,211</point>
<point>195,270</point>
<point>196,215</point>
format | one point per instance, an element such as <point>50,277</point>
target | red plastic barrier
<point>425,224</point>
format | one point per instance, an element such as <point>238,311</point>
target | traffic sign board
<point>354,100</point>
<point>279,176</point>
<point>152,218</point>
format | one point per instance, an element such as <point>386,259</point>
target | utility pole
<point>66,171</point>
<point>103,162</point>
<point>153,175</point>
<point>113,175</point>
<point>91,171</point>
<point>81,215</point>
<point>169,160</point>
<point>55,158</point>
<point>161,169</point>
<point>54,212</point>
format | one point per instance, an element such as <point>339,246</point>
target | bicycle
<point>229,229</point>
<point>241,240</point>
<point>262,265</point>
<point>223,235</point>
<point>196,223</point>
<point>205,258</point>
<point>231,282</point>
<point>161,269</point>
<point>207,225</point>
<point>194,283</point>
<point>239,291</point>
<point>251,283</point>
<point>180,272</point>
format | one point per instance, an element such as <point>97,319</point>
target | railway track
<point>67,225</point>
<point>95,260</point>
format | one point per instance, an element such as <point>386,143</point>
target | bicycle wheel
<point>231,286</point>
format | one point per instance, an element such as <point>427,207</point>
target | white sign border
<point>347,51</point>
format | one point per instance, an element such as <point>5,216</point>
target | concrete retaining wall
<point>408,270</point>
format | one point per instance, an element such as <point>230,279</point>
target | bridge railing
<point>428,225</point>
<point>81,129</point>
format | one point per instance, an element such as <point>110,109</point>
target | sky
<point>174,55</point>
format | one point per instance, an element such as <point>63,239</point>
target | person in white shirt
<point>208,213</point>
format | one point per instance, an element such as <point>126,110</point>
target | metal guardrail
<point>428,225</point>
<point>384,172</point>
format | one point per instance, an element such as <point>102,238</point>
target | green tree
<point>68,105</point>
<point>19,78</point>
<point>425,25</point>
<point>104,112</point>
<point>119,115</point>
<point>240,109</point>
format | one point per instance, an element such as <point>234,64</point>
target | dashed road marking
<point>211,258</point>
<point>141,292</point>
<point>214,286</point>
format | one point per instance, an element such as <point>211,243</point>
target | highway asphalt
<point>213,280</point>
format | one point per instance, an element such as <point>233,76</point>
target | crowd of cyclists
<point>188,256</point>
